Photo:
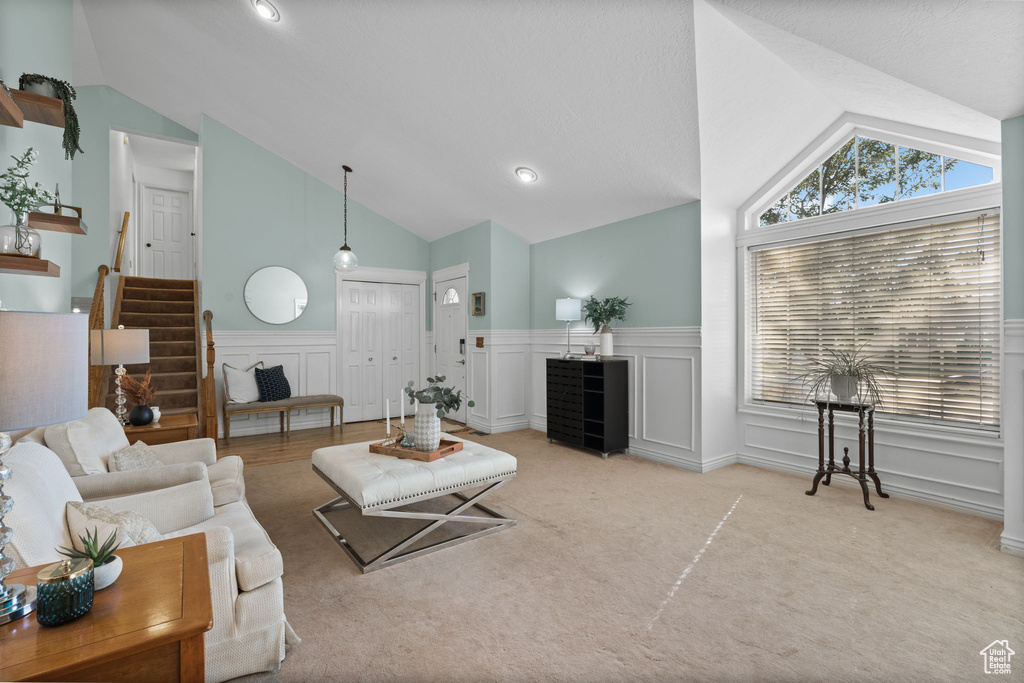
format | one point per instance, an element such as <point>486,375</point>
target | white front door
<point>379,325</point>
<point>450,336</point>
<point>167,234</point>
<point>362,362</point>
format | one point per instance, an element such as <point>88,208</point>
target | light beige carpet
<point>598,582</point>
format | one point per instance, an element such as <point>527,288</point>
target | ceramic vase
<point>844,387</point>
<point>156,413</point>
<point>106,574</point>
<point>607,347</point>
<point>427,428</point>
<point>140,416</point>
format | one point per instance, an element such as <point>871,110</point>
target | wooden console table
<point>863,410</point>
<point>148,626</point>
<point>169,429</point>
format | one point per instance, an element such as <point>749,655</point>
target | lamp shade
<point>44,368</point>
<point>567,309</point>
<point>120,347</point>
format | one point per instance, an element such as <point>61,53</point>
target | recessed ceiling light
<point>266,10</point>
<point>527,175</point>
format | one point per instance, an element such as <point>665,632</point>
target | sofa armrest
<point>95,487</point>
<point>220,558</point>
<point>170,509</point>
<point>193,450</point>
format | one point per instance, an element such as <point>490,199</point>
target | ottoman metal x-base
<point>378,484</point>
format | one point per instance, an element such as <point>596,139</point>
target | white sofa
<point>85,446</point>
<point>249,627</point>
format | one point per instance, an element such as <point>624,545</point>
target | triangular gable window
<point>866,172</point>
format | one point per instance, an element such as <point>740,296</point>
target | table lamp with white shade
<point>568,310</point>
<point>120,347</point>
<point>44,379</point>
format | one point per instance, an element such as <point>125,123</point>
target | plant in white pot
<point>106,565</point>
<point>600,314</point>
<point>435,401</point>
<point>847,375</point>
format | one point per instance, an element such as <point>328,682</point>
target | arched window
<point>866,172</point>
<point>450,297</point>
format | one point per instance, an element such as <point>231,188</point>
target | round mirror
<point>275,295</point>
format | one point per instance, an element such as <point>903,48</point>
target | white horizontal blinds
<point>923,300</point>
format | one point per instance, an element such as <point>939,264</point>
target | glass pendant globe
<point>345,260</point>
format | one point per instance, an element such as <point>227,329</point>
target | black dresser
<point>588,404</point>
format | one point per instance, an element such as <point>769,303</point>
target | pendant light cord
<point>346,205</point>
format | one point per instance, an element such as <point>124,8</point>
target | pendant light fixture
<point>344,259</point>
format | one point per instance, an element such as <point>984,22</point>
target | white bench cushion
<point>373,480</point>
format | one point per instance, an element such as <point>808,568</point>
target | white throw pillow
<point>240,385</point>
<point>84,445</point>
<point>131,527</point>
<point>138,456</point>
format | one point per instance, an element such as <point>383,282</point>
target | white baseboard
<point>1011,545</point>
<point>946,503</point>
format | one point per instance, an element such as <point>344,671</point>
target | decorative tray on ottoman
<point>445,448</point>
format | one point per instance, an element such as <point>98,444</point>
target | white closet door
<point>363,349</point>
<point>411,341</point>
<point>393,382</point>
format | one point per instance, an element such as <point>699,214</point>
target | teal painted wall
<point>99,109</point>
<point>653,259</point>
<point>1013,218</point>
<point>259,210</point>
<point>508,301</point>
<point>472,246</point>
<point>35,37</point>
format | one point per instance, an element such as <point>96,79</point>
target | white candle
<point>387,412</point>
<point>401,410</point>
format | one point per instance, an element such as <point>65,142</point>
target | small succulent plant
<point>91,548</point>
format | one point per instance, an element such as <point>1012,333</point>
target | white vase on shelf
<point>607,345</point>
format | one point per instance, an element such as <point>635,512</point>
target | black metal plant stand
<point>866,433</point>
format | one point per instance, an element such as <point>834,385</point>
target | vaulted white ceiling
<point>435,103</point>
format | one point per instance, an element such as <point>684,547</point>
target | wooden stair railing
<point>96,314</point>
<point>209,383</point>
<point>120,243</point>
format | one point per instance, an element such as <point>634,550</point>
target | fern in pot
<point>600,314</point>
<point>435,401</point>
<point>847,374</point>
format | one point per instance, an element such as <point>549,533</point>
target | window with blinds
<point>923,300</point>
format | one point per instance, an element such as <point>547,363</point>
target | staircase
<point>169,309</point>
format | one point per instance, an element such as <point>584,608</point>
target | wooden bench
<point>285,408</point>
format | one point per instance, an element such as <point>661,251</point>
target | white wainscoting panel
<point>310,364</point>
<point>662,380</point>
<point>1012,540</point>
<point>952,467</point>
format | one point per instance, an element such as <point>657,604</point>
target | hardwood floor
<point>269,449</point>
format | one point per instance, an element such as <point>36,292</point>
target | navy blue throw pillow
<point>272,383</point>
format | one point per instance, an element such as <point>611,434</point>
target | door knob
<point>148,244</point>
<point>371,359</point>
<point>461,362</point>
<point>394,357</point>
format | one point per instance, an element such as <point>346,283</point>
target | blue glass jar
<point>64,591</point>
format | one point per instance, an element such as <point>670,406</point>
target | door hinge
<point>435,296</point>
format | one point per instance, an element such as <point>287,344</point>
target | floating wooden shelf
<point>39,108</point>
<point>25,265</point>
<point>10,114</point>
<point>51,221</point>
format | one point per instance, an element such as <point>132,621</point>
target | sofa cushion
<point>273,384</point>
<point>40,488</point>
<point>257,559</point>
<point>226,480</point>
<point>131,527</point>
<point>138,456</point>
<point>240,385</point>
<point>84,445</point>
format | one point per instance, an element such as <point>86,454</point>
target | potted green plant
<point>20,197</point>
<point>435,401</point>
<point>65,92</point>
<point>106,565</point>
<point>847,374</point>
<point>600,314</point>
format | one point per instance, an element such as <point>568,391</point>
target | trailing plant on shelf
<point>445,399</point>
<point>65,92</point>
<point>846,374</point>
<point>92,549</point>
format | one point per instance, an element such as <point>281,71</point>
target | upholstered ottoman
<point>379,484</point>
